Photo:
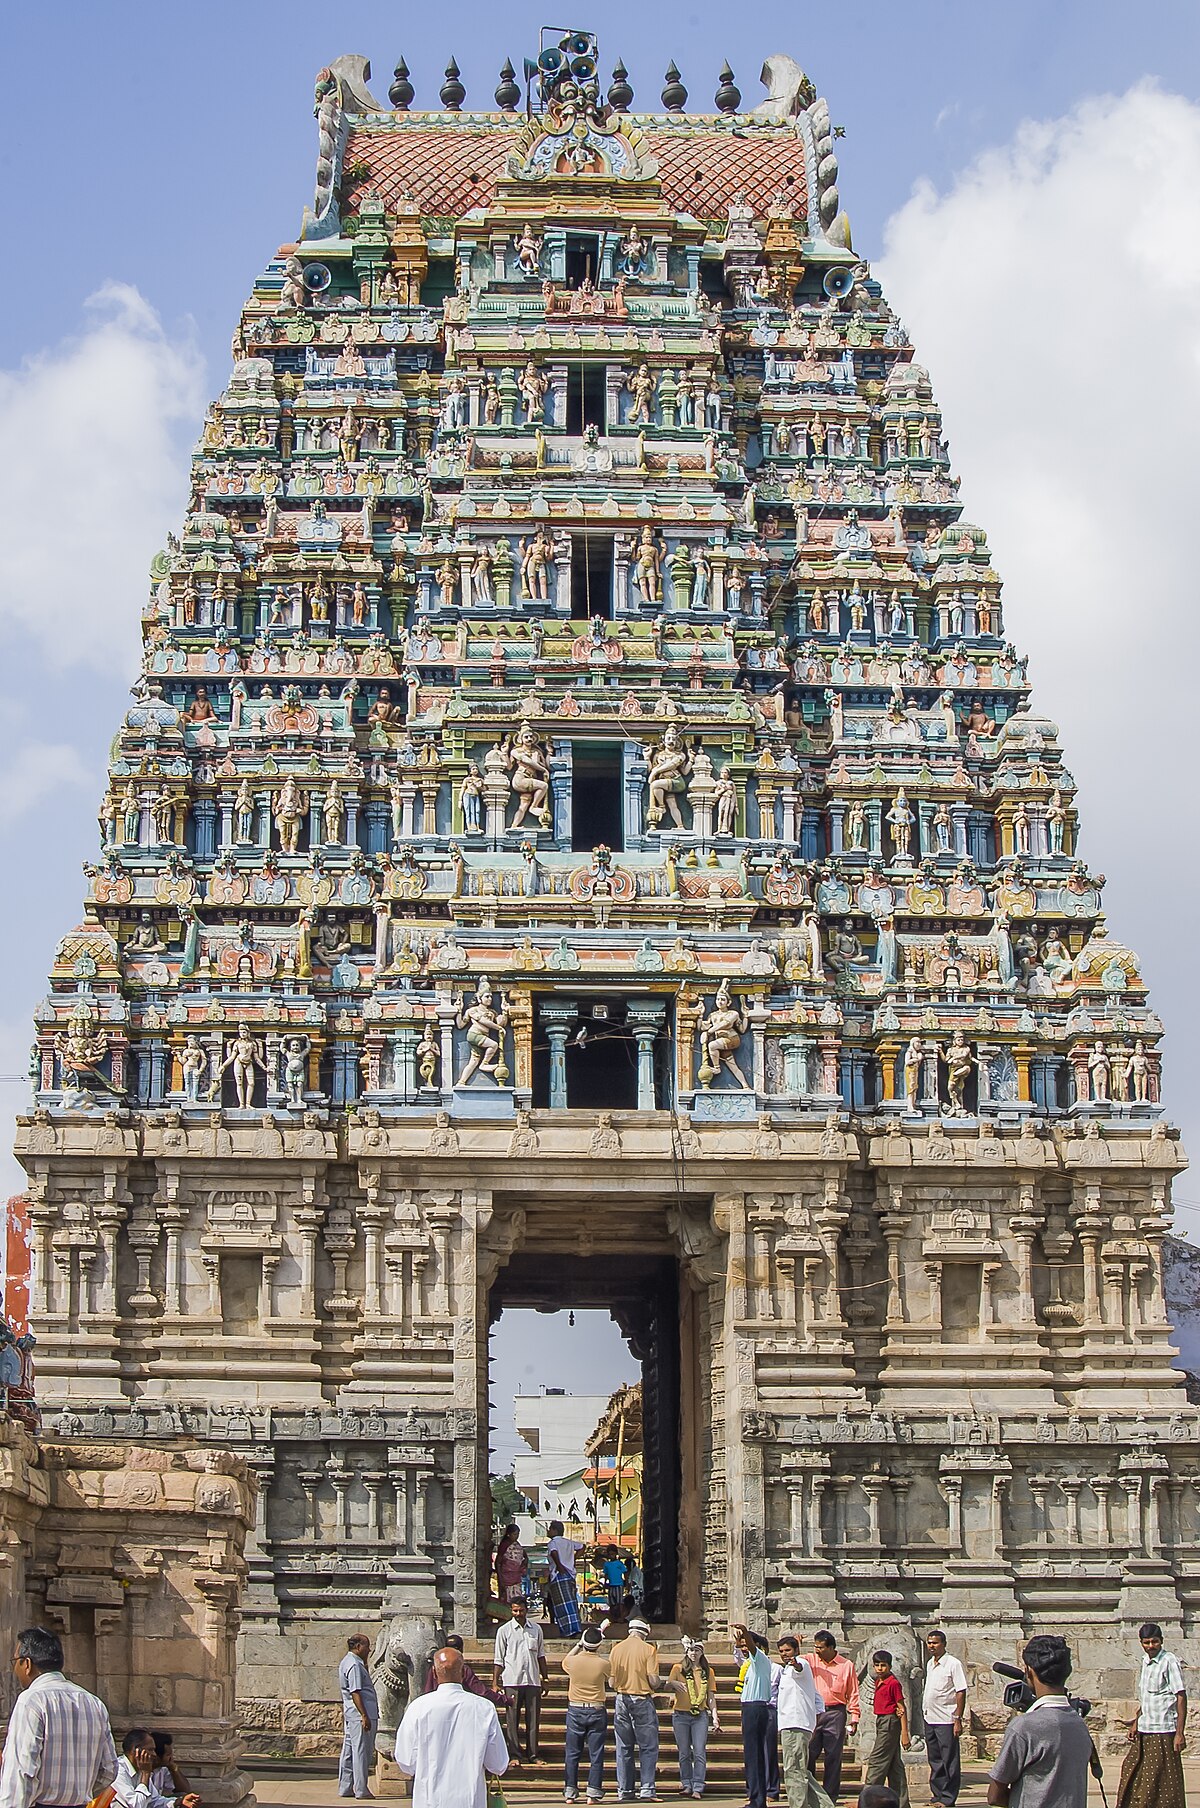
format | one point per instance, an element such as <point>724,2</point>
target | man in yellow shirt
<point>635,1677</point>
<point>587,1714</point>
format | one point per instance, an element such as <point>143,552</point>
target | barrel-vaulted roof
<point>449,163</point>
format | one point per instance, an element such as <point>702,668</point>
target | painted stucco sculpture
<point>574,606</point>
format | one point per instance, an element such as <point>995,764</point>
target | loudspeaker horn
<point>838,283</point>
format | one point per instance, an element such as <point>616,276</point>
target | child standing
<point>885,1764</point>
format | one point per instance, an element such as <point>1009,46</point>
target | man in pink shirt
<point>837,1685</point>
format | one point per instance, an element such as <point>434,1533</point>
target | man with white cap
<point>635,1677</point>
<point>587,1714</point>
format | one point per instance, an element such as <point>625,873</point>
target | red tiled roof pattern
<point>448,169</point>
<point>758,165</point>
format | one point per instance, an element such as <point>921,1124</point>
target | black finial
<point>508,95</point>
<point>401,91</point>
<point>452,93</point>
<point>728,96</point>
<point>674,95</point>
<point>620,94</point>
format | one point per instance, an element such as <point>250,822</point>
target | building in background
<point>583,836</point>
<point>555,1427</point>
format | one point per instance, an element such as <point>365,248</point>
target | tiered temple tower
<point>581,834</point>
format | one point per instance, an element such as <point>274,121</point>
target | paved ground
<point>321,1792</point>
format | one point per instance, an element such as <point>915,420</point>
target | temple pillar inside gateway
<point>580,824</point>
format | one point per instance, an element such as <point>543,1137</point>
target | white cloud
<point>36,772</point>
<point>93,436</point>
<point>1054,292</point>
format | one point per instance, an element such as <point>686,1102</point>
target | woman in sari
<point>512,1565</point>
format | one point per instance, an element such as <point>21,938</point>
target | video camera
<point>1019,1695</point>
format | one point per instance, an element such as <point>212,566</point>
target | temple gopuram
<point>582,837</point>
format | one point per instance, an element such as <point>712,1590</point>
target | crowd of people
<point>613,1566</point>
<point>795,1713</point>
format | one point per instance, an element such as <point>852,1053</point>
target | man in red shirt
<point>886,1765</point>
<point>837,1685</point>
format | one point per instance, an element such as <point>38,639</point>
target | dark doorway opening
<point>583,257</point>
<point>602,1061</point>
<point>586,389</point>
<point>642,1294</point>
<point>600,1053</point>
<point>592,576</point>
<point>597,802</point>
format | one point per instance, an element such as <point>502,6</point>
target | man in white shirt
<point>798,1705</point>
<point>519,1668</point>
<point>943,1704</point>
<point>360,1717</point>
<point>59,1750</point>
<point>1152,1774</point>
<point>137,1772</point>
<point>447,1740</point>
<point>561,1588</point>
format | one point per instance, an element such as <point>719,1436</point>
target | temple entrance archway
<point>643,1294</point>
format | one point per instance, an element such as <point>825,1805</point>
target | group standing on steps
<point>795,1712</point>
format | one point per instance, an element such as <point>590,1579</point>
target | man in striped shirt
<point>59,1752</point>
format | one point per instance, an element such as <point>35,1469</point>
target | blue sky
<point>173,149</point>
<point>168,152</point>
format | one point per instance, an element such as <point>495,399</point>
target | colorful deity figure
<point>720,1035</point>
<point>485,1026</point>
<point>245,1054</point>
<point>633,249</point>
<point>536,556</point>
<point>532,385</point>
<point>647,566</point>
<point>289,812</point>
<point>915,1056</point>
<point>295,1069</point>
<point>641,386</point>
<point>529,251</point>
<point>81,1049</point>
<point>669,766</point>
<point>900,820</point>
<point>725,797</point>
<point>333,813</point>
<point>530,770</point>
<point>193,1066</point>
<point>960,1064</point>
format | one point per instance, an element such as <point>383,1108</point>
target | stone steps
<point>725,1769</point>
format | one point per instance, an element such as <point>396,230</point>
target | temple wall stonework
<point>133,1555</point>
<point>580,800</point>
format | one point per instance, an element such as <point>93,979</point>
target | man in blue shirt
<point>360,1717</point>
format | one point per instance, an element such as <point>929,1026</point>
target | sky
<point>1025,180</point>
<point>530,1350</point>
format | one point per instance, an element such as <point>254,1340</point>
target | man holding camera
<point>1152,1774</point>
<point>1044,1758</point>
